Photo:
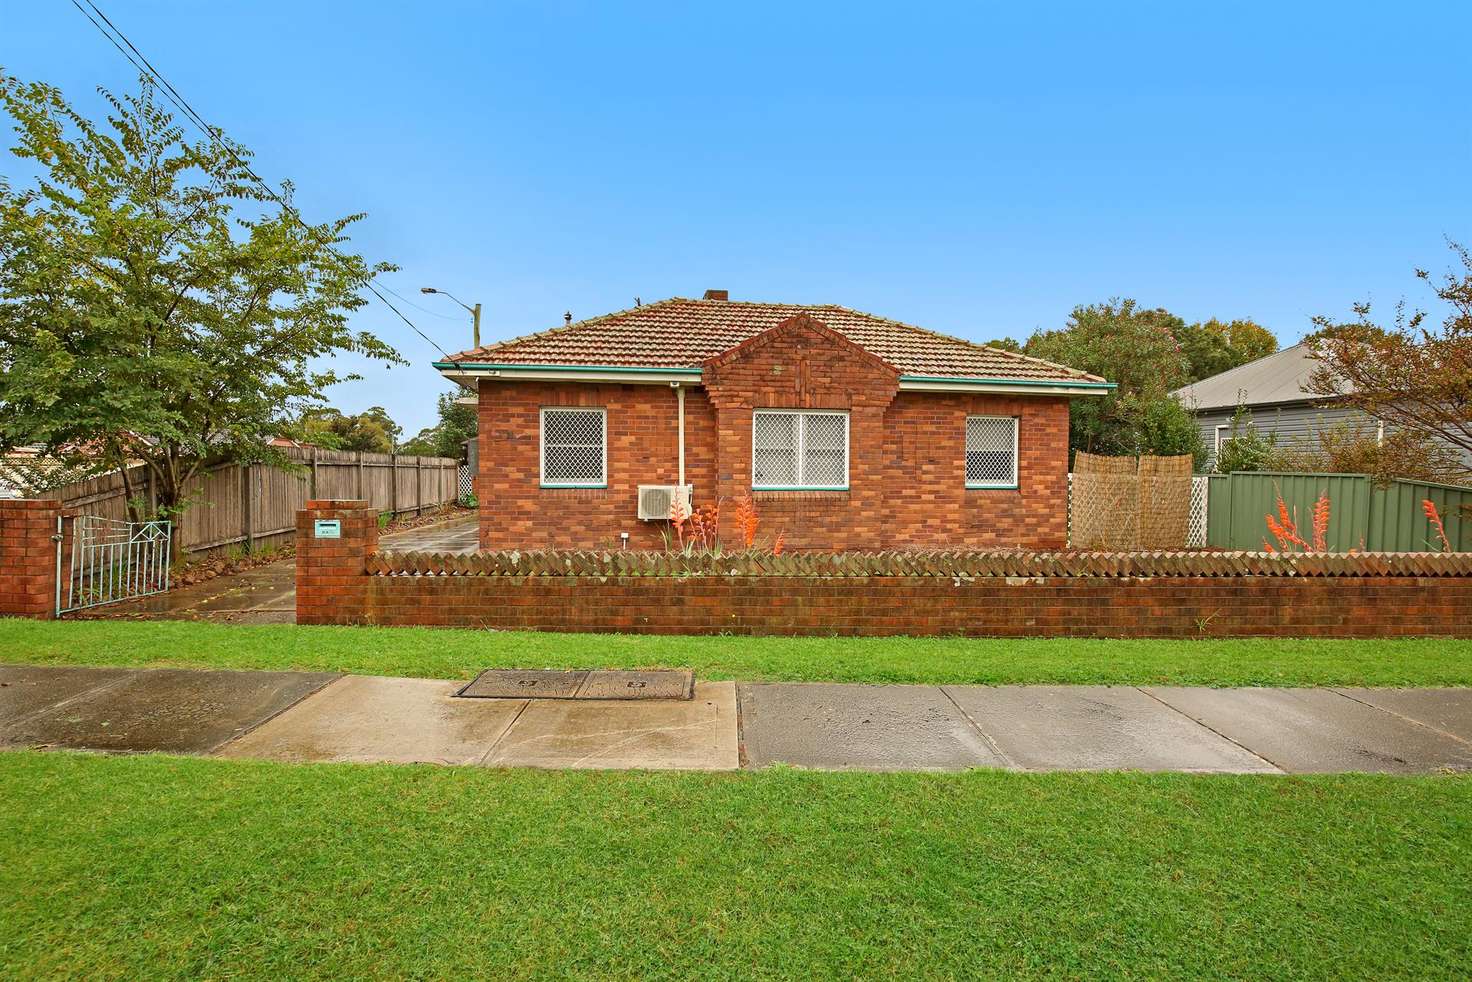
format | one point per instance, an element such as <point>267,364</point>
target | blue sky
<point>978,169</point>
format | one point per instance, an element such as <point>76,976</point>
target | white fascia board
<point>646,377</point>
<point>1002,388</point>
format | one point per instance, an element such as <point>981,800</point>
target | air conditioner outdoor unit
<point>655,500</point>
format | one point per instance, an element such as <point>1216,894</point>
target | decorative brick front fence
<point>344,580</point>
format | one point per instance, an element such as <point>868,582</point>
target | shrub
<point>1247,449</point>
<point>1359,449</point>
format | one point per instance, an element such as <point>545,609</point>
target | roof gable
<point>681,333</point>
<point>797,322</point>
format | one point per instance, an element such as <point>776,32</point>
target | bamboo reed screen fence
<point>1124,503</point>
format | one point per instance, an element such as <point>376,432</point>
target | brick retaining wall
<point>1370,598</point>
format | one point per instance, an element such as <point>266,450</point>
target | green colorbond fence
<point>1362,516</point>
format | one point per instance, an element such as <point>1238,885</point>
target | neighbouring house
<point>849,431</point>
<point>1272,390</point>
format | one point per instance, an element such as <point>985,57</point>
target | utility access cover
<point>501,683</point>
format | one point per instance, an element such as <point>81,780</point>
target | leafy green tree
<point>447,437</point>
<point>1211,347</point>
<point>1006,344</point>
<point>1137,350</point>
<point>1168,428</point>
<point>157,303</point>
<point>371,431</point>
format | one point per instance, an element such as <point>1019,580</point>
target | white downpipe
<point>680,398</point>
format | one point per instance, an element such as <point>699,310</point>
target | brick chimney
<point>717,295</point>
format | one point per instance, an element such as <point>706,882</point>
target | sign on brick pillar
<point>333,541</point>
<point>28,557</point>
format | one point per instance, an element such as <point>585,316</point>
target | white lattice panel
<point>1196,528</point>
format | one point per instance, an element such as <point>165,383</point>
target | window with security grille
<point>574,448</point>
<point>991,452</point>
<point>799,450</point>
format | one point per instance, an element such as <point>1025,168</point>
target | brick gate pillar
<point>28,557</point>
<point>333,540</point>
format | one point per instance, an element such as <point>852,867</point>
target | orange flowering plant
<point>698,530</point>
<point>1284,528</point>
<point>1434,517</point>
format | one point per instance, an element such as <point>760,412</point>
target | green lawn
<point>434,653</point>
<point>148,867</point>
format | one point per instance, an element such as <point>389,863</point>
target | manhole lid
<point>505,683</point>
<point>638,685</point>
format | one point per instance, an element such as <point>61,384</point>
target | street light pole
<point>474,311</point>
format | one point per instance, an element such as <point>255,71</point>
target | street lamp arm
<point>447,293</point>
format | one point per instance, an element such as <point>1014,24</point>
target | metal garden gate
<point>111,561</point>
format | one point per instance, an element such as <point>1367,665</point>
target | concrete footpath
<point>296,716</point>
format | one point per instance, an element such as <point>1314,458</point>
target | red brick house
<point>850,431</point>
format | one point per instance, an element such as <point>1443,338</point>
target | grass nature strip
<point>445,653</point>
<point>158,867</point>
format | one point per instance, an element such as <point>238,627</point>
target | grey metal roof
<point>1272,380</point>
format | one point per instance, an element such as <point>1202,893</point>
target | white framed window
<point>799,450</point>
<point>1223,434</point>
<point>991,451</point>
<point>574,448</point>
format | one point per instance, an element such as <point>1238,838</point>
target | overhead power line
<point>135,57</point>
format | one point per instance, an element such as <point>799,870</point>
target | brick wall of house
<point>28,558</point>
<point>643,434</point>
<point>906,459</point>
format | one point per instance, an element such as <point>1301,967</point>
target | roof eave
<point>655,376</point>
<point>474,371</point>
<point>1009,386</point>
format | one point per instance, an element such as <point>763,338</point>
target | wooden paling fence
<point>253,504</point>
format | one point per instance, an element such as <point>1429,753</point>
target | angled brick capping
<point>28,558</point>
<point>1013,594</point>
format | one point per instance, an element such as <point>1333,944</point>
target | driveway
<point>459,536</point>
<point>267,594</point>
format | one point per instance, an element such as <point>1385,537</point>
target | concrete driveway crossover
<point>167,710</point>
<point>364,719</point>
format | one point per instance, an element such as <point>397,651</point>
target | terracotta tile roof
<point>682,333</point>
